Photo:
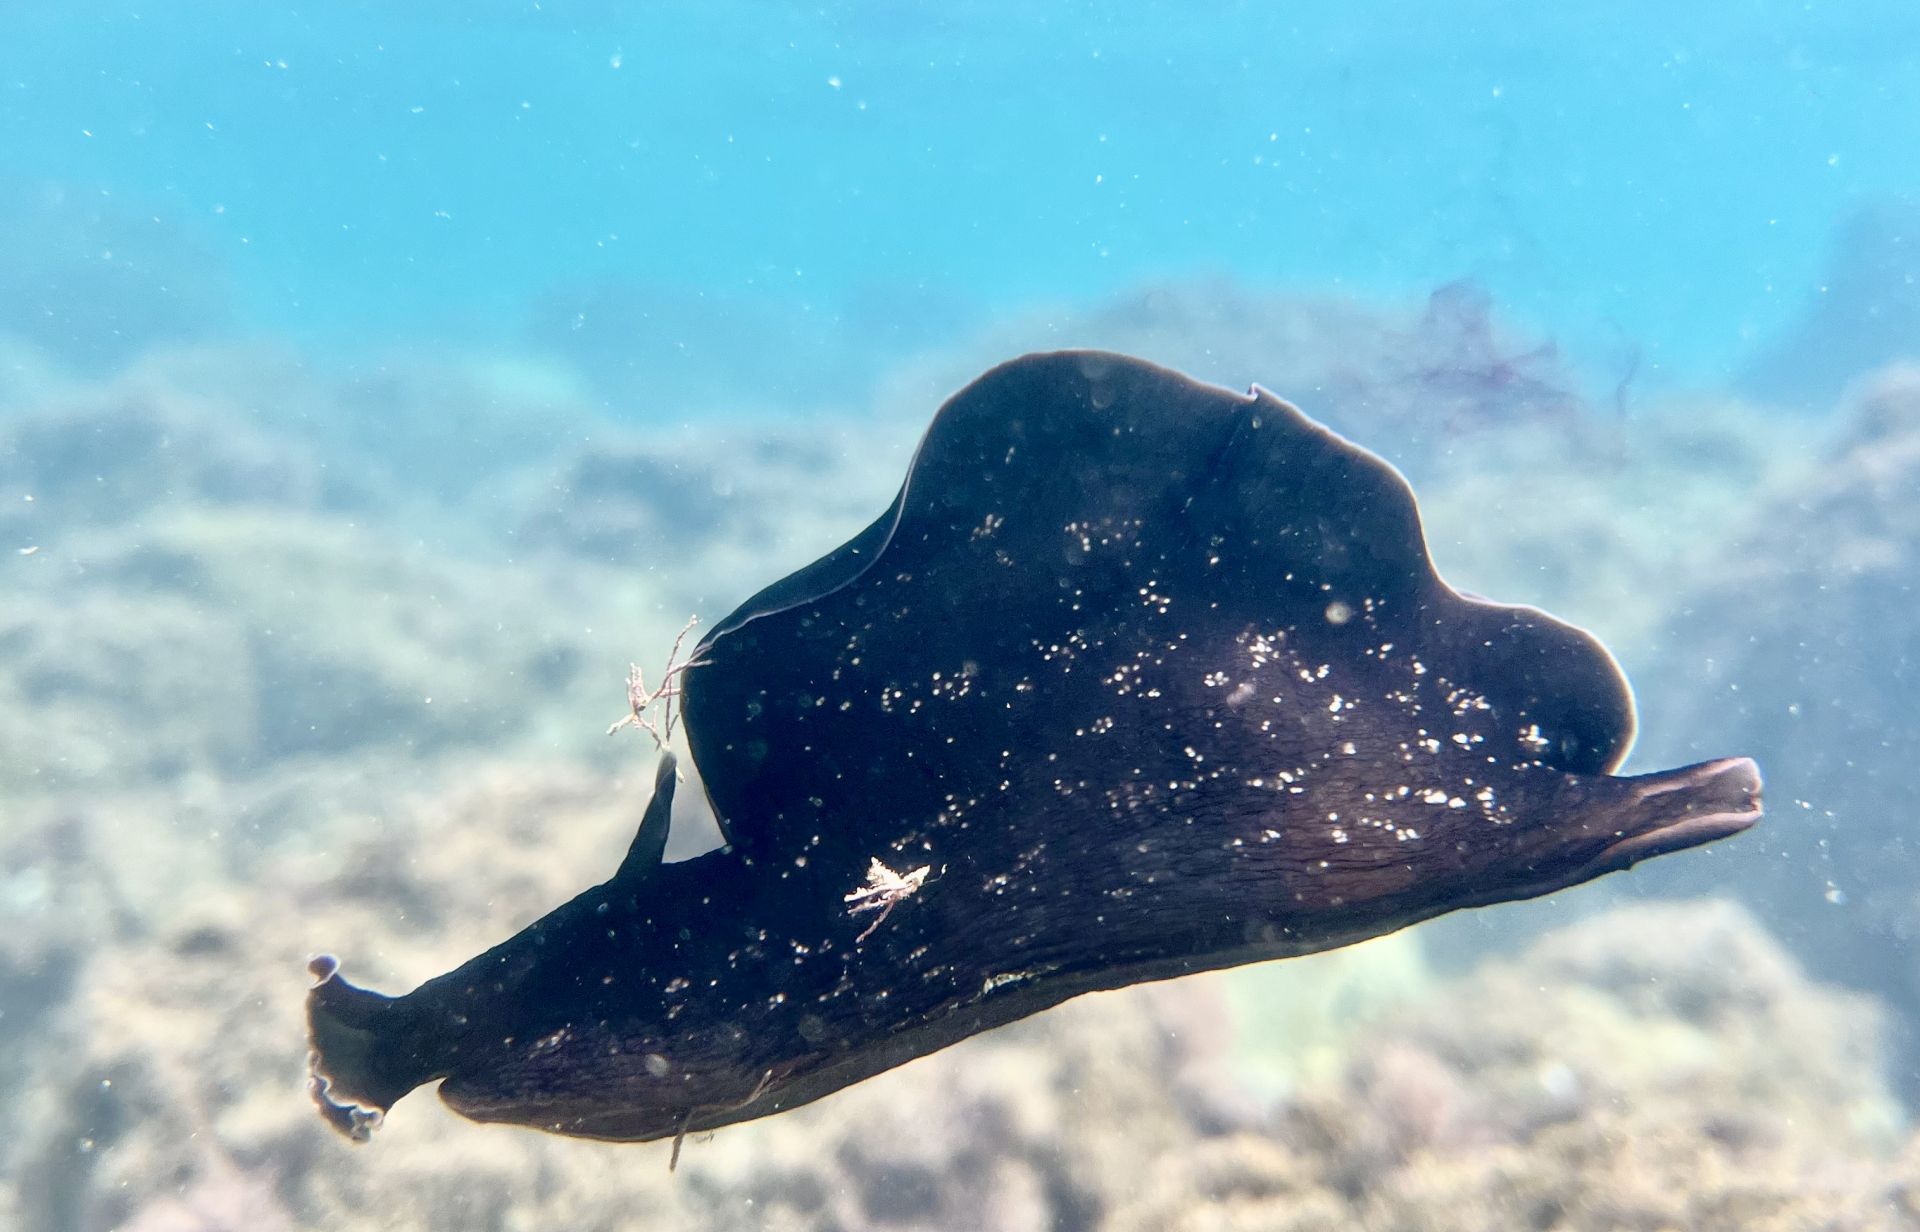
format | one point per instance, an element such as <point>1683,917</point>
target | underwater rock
<point>193,586</point>
<point>1425,388</point>
<point>706,503</point>
<point>227,640</point>
<point>1667,1016</point>
<point>451,430</point>
<point>1676,1012</point>
<point>113,454</point>
<point>150,1085</point>
<point>1802,644</point>
<point>1137,677</point>
<point>1864,315</point>
<point>166,1082</point>
<point>1663,1065</point>
<point>103,688</point>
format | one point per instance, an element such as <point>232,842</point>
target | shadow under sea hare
<point>1137,677</point>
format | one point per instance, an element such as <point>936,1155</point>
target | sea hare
<point>1136,677</point>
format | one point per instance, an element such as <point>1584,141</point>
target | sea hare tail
<point>359,1062</point>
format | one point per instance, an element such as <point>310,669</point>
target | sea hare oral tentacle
<point>1136,677</point>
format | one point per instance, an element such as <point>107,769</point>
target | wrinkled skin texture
<point>1150,677</point>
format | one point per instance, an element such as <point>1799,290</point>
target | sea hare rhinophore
<point>1136,677</point>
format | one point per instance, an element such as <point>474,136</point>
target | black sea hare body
<point>1136,677</point>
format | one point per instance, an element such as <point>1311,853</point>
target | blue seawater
<point>862,174</point>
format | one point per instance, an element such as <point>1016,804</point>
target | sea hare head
<point>1433,850</point>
